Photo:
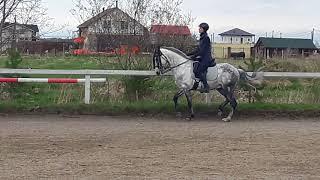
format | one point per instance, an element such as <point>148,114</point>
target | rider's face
<point>201,30</point>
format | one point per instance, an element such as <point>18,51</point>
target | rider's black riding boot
<point>205,83</point>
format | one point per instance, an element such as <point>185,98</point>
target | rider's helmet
<point>204,26</point>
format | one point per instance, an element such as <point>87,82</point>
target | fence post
<point>207,97</point>
<point>87,90</point>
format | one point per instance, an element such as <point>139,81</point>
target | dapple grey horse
<point>223,77</point>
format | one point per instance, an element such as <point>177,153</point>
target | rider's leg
<point>203,76</point>
<point>196,74</point>
<point>205,83</point>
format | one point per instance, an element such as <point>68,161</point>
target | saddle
<point>213,64</point>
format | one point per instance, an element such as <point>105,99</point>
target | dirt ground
<point>104,147</point>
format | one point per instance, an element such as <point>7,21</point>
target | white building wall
<point>22,33</point>
<point>237,39</point>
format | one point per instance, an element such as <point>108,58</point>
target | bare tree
<point>170,12</point>
<point>139,10</point>
<point>7,7</point>
<point>33,12</point>
<point>145,12</point>
<point>86,9</point>
<point>149,12</point>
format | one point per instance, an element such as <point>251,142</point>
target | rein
<point>171,67</point>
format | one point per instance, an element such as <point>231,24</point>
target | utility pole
<point>14,38</point>
<point>272,34</point>
<point>280,35</point>
<point>312,34</point>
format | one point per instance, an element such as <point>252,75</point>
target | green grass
<point>68,62</point>
<point>146,107</point>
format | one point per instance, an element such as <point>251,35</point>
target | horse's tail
<point>255,79</point>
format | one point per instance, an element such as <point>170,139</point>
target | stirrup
<point>203,90</point>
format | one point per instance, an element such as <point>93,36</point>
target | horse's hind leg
<point>233,103</point>
<point>228,94</point>
<point>175,100</point>
<point>223,105</point>
<point>189,99</point>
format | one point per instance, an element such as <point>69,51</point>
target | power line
<point>298,33</point>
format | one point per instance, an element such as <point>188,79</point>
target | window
<point>107,24</point>
<point>124,25</point>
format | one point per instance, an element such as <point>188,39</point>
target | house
<point>233,42</point>
<point>110,29</point>
<point>172,35</point>
<point>237,36</point>
<point>283,47</point>
<point>15,32</point>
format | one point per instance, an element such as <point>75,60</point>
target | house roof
<point>170,29</point>
<point>33,27</point>
<point>29,26</point>
<point>102,14</point>
<point>97,17</point>
<point>286,43</point>
<point>236,32</point>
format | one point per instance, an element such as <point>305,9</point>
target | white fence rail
<point>89,73</point>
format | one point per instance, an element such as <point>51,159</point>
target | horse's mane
<point>175,50</point>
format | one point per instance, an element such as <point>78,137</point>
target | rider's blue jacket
<point>203,52</point>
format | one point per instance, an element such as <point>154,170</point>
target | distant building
<point>110,29</point>
<point>284,47</point>
<point>233,42</point>
<point>237,36</point>
<point>15,32</point>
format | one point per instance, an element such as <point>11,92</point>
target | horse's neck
<point>183,68</point>
<point>177,60</point>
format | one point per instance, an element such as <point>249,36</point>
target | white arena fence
<point>88,73</point>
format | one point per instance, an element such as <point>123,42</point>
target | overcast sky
<point>292,18</point>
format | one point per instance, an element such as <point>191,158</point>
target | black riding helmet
<point>204,26</point>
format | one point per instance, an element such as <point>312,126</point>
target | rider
<point>203,55</point>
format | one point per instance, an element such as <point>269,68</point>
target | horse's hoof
<point>226,119</point>
<point>188,119</point>
<point>178,115</point>
<point>220,113</point>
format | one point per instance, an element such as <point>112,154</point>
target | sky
<point>291,18</point>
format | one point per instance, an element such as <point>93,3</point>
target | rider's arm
<point>193,53</point>
<point>203,48</point>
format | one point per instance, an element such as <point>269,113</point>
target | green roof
<point>286,43</point>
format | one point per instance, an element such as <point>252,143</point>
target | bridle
<point>157,63</point>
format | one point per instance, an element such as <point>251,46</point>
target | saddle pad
<point>212,73</point>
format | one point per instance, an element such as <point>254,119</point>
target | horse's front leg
<point>189,99</point>
<point>175,100</point>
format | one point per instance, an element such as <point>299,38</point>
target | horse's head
<point>161,62</point>
<point>167,58</point>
